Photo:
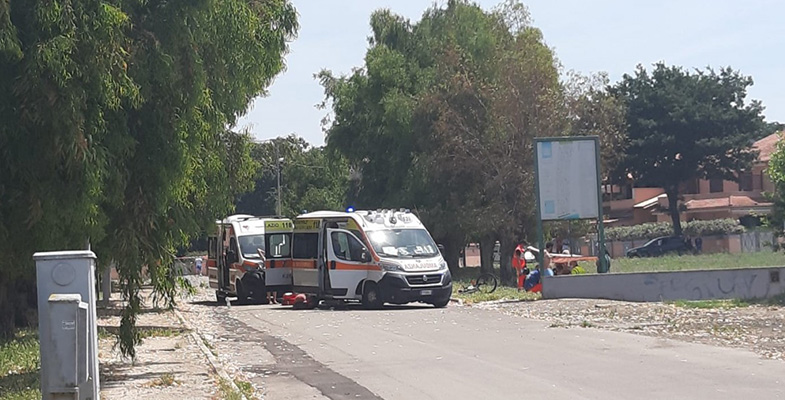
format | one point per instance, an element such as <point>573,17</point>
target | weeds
<point>228,391</point>
<point>165,380</point>
<point>246,388</point>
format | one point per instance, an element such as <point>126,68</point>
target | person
<point>198,264</point>
<point>519,263</point>
<point>698,244</point>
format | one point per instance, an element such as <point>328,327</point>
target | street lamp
<point>280,161</point>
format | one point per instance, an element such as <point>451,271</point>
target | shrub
<point>657,229</point>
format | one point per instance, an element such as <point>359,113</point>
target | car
<point>660,246</point>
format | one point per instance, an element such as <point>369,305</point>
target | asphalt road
<point>413,352</point>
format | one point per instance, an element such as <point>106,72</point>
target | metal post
<point>600,228</point>
<point>540,234</point>
<point>278,200</point>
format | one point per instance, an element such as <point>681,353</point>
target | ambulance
<point>234,261</point>
<point>375,257</point>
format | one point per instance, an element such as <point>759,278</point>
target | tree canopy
<point>114,119</point>
<point>686,125</point>
<point>441,119</point>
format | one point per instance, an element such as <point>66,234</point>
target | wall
<point>743,283</point>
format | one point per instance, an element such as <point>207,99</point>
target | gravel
<point>758,328</point>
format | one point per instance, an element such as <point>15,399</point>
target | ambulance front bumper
<point>429,287</point>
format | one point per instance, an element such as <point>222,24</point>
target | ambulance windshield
<point>250,245</point>
<point>404,243</point>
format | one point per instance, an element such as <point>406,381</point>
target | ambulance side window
<point>306,245</point>
<point>279,245</point>
<point>347,247</point>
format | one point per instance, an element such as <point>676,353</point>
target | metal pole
<point>278,162</point>
<point>600,228</point>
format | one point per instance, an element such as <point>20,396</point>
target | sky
<point>588,36</point>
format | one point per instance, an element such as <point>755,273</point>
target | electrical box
<point>67,325</point>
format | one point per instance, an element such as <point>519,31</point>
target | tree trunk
<point>452,252</point>
<point>506,249</point>
<point>486,254</point>
<point>673,209</point>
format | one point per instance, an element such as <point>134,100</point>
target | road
<point>412,352</point>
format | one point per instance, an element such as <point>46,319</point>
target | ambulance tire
<point>242,294</point>
<point>255,284</point>
<point>372,298</point>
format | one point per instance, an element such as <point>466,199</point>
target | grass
<point>692,262</point>
<point>711,304</point>
<point>245,387</point>
<point>730,303</point>
<point>227,391</point>
<point>19,366</point>
<point>463,278</point>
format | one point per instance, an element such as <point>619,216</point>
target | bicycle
<point>485,283</point>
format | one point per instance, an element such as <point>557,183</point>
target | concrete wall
<point>743,283</point>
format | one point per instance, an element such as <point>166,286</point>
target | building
<point>701,200</point>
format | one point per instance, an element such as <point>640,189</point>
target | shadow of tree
<point>16,383</point>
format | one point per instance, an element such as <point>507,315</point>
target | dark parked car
<point>659,246</point>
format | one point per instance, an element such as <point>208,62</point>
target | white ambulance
<point>234,261</point>
<point>376,257</point>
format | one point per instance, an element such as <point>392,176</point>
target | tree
<point>310,179</point>
<point>113,128</point>
<point>442,119</point>
<point>684,126</point>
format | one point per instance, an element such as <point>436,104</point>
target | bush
<point>657,229</point>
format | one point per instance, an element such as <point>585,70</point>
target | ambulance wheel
<point>372,299</point>
<point>220,297</point>
<point>258,290</point>
<point>242,294</point>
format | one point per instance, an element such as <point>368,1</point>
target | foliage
<point>687,125</point>
<point>114,130</point>
<point>657,229</point>
<point>776,172</point>
<point>310,179</point>
<point>593,111</point>
<point>442,118</point>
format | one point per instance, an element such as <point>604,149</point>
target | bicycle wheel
<point>486,283</point>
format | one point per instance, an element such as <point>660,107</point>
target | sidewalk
<point>168,365</point>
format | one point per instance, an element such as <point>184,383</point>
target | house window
<point>692,187</point>
<point>745,182</point>
<point>715,185</point>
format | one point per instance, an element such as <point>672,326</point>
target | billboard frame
<point>600,228</point>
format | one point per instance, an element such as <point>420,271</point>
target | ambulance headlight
<point>387,266</point>
<point>442,265</point>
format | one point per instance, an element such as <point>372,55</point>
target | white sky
<point>588,36</point>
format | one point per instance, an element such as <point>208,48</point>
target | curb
<point>456,300</point>
<point>214,364</point>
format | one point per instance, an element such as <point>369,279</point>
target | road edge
<point>214,364</point>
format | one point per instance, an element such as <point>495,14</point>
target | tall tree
<point>687,125</point>
<point>442,119</point>
<point>114,120</point>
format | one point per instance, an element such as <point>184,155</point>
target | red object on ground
<point>537,288</point>
<point>288,299</point>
